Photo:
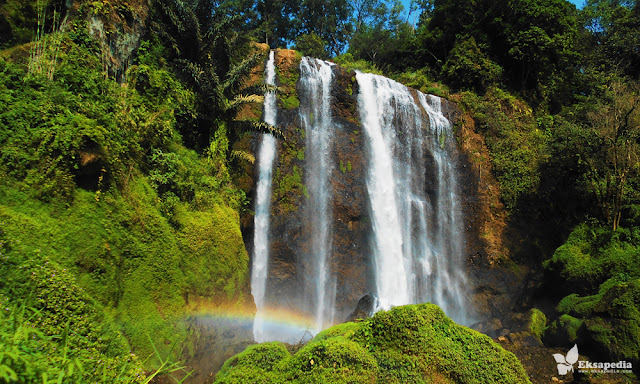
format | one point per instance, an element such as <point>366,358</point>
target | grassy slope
<point>95,180</point>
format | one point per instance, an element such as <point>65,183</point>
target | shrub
<point>591,255</point>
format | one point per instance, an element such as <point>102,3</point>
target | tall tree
<point>612,150</point>
<point>534,41</point>
<point>277,23</point>
<point>328,19</point>
<point>615,27</point>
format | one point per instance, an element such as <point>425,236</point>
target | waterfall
<point>267,153</point>
<point>415,212</point>
<point>315,115</point>
<point>405,165</point>
<point>377,99</point>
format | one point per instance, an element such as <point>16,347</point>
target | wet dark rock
<point>364,309</point>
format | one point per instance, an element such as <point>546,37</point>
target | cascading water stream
<point>315,80</point>
<point>267,153</point>
<point>448,284</point>
<point>376,101</point>
<point>417,236</point>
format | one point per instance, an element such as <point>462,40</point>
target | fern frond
<point>243,155</point>
<point>260,89</point>
<point>240,100</point>
<point>240,71</point>
<point>259,127</point>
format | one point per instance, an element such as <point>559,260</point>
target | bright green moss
<point>290,102</point>
<point>609,320</point>
<point>51,327</point>
<point>345,329</point>
<point>254,365</point>
<point>288,187</point>
<point>413,343</point>
<point>537,323</point>
<point>564,330</point>
<point>287,79</point>
<point>218,260</point>
<point>593,254</point>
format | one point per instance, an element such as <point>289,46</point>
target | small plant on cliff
<point>46,47</point>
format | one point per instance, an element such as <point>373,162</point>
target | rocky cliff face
<point>492,291</point>
<point>117,26</point>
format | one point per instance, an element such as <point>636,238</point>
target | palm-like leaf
<point>261,89</point>
<point>238,72</point>
<point>202,42</point>
<point>243,155</point>
<point>258,126</point>
<point>241,100</point>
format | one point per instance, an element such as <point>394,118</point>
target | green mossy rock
<point>413,343</point>
<point>564,330</point>
<point>608,322</point>
<point>536,322</point>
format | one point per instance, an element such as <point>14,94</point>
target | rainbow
<point>279,324</point>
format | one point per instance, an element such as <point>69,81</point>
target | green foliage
<point>343,168</point>
<point>202,45</point>
<point>58,332</point>
<point>591,255</point>
<point>564,330</point>
<point>20,19</point>
<point>94,175</point>
<point>333,360</point>
<point>534,42</point>
<point>393,50</point>
<point>613,25</point>
<point>597,270</point>
<point>518,147</point>
<point>81,127</point>
<point>467,67</point>
<point>287,79</point>
<point>537,322</point>
<point>218,261</point>
<point>414,343</point>
<point>420,80</point>
<point>348,62</point>
<point>610,152</point>
<point>609,320</point>
<point>287,188</point>
<point>312,45</point>
<point>346,330</point>
<point>289,102</point>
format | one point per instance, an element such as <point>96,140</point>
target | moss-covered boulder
<point>563,331</point>
<point>409,344</point>
<point>608,323</point>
